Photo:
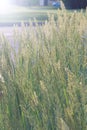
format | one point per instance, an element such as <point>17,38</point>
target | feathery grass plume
<point>43,75</point>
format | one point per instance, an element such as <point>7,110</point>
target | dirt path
<point>7,31</point>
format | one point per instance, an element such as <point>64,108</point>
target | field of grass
<point>19,14</point>
<point>43,75</point>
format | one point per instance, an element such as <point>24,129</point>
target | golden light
<point>5,6</point>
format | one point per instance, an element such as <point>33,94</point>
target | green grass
<point>19,14</point>
<point>43,75</point>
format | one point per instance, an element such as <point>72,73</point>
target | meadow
<point>16,14</point>
<point>43,75</point>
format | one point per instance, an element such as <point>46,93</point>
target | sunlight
<point>5,6</point>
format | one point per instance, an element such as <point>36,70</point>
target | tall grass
<point>43,75</point>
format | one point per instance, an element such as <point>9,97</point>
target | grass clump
<point>44,75</point>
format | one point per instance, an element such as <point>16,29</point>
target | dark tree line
<point>75,4</point>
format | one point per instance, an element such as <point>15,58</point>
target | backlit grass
<point>43,75</point>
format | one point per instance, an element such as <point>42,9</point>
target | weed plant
<point>43,75</point>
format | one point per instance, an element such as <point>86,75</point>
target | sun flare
<point>5,6</point>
